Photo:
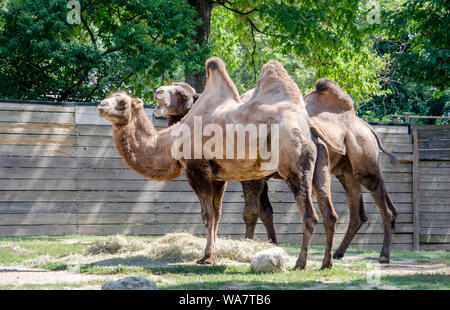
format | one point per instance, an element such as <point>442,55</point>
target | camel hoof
<point>383,260</point>
<point>207,261</point>
<point>326,266</point>
<point>338,255</point>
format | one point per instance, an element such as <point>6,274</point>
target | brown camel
<point>277,101</point>
<point>331,109</point>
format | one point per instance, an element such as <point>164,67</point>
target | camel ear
<point>170,82</point>
<point>196,96</point>
<point>183,94</point>
<point>136,102</point>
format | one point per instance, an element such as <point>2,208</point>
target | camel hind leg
<point>266,214</point>
<point>356,209</point>
<point>363,155</point>
<point>298,175</point>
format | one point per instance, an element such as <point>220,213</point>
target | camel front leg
<point>197,173</point>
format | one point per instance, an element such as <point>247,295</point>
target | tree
<point>414,39</point>
<point>117,43</point>
<point>332,37</point>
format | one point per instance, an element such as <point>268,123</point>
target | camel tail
<point>391,156</point>
<point>321,135</point>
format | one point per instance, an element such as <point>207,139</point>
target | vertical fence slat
<point>415,193</point>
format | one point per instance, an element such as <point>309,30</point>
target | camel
<point>327,106</point>
<point>277,102</point>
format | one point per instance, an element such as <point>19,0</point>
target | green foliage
<point>422,28</point>
<point>119,44</point>
<point>321,38</point>
<point>414,40</point>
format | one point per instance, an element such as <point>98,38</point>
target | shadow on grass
<point>159,267</point>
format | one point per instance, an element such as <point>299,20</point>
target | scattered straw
<point>184,247</point>
<point>116,244</point>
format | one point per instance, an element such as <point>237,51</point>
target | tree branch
<point>91,34</point>
<point>254,51</point>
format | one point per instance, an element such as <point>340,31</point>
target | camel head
<point>174,99</point>
<point>118,108</point>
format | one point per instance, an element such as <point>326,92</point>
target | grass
<point>59,253</point>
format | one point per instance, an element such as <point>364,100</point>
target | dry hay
<point>179,248</point>
<point>116,244</point>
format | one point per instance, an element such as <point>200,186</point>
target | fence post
<point>415,193</point>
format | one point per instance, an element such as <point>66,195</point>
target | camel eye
<point>121,105</point>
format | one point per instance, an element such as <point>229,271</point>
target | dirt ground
<point>20,275</point>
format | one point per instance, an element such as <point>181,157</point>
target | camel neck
<point>145,150</point>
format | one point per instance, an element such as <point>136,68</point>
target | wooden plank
<point>37,219</point>
<point>126,196</point>
<point>434,223</point>
<point>435,164</point>
<point>38,173</point>
<point>398,147</point>
<point>415,192</point>
<point>36,207</point>
<point>434,178</point>
<point>36,128</point>
<point>434,186</point>
<point>435,216</point>
<point>38,150</point>
<point>38,230</point>
<point>437,171</point>
<point>290,218</point>
<point>87,115</point>
<point>434,238</point>
<point>38,162</point>
<point>434,208</point>
<point>26,139</point>
<point>435,231</point>
<point>35,196</point>
<point>194,207</point>
<point>37,117</point>
<point>35,107</point>
<point>84,219</point>
<point>434,154</point>
<point>92,130</point>
<point>424,194</point>
<point>391,129</point>
<point>36,184</point>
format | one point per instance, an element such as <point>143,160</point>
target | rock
<point>130,283</point>
<point>270,260</point>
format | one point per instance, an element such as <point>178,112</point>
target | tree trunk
<point>203,8</point>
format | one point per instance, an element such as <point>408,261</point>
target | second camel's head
<point>174,99</point>
<point>118,108</point>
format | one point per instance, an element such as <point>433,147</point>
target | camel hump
<point>340,98</point>
<point>217,76</point>
<point>275,80</point>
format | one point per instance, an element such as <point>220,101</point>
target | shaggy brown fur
<point>257,204</point>
<point>301,155</point>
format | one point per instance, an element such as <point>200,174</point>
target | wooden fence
<point>60,174</point>
<point>433,144</point>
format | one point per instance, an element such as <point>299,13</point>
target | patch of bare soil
<point>410,266</point>
<point>19,276</point>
